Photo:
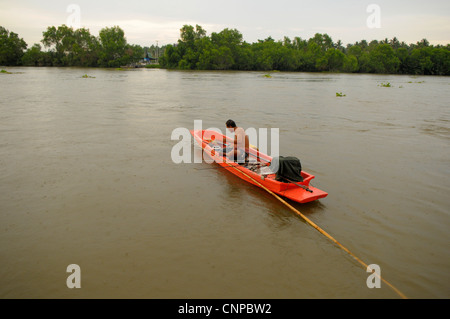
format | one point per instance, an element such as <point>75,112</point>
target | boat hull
<point>291,191</point>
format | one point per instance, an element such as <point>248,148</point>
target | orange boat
<point>258,168</point>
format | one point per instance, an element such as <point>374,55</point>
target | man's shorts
<point>242,158</point>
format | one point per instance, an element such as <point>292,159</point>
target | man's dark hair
<point>231,123</point>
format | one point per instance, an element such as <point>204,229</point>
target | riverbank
<point>226,50</point>
<point>268,74</point>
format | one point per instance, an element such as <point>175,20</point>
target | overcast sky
<point>146,22</point>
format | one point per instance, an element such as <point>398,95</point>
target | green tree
<point>60,41</point>
<point>34,56</point>
<point>340,46</point>
<point>112,47</point>
<point>221,58</point>
<point>11,48</point>
<point>299,44</point>
<point>231,39</point>
<point>85,49</point>
<point>187,36</point>
<point>205,59</point>
<point>314,59</point>
<point>441,61</point>
<point>428,60</point>
<point>264,52</point>
<point>324,41</point>
<point>380,59</point>
<point>171,58</point>
<point>245,59</point>
<point>350,64</point>
<point>136,52</point>
<point>355,50</point>
<point>71,47</point>
<point>189,46</point>
<point>405,60</point>
<point>423,43</point>
<point>335,60</point>
<point>395,44</point>
<point>285,59</point>
<point>226,50</point>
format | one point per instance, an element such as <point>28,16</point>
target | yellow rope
<point>310,222</point>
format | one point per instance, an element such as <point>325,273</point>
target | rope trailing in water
<point>311,223</point>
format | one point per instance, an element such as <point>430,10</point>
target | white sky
<point>146,22</point>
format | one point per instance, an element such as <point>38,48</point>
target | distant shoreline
<point>4,68</point>
<point>226,50</point>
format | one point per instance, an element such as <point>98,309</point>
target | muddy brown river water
<point>86,178</point>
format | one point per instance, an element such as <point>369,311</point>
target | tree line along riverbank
<point>226,50</point>
<point>66,46</point>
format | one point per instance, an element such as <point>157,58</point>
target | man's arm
<point>233,150</point>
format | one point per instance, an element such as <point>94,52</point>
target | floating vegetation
<point>5,72</point>
<point>419,82</point>
<point>88,77</point>
<point>152,66</point>
<point>267,76</point>
<point>386,85</point>
<point>340,94</point>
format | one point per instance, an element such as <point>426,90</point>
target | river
<point>86,178</point>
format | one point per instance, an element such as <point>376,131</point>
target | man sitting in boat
<point>239,151</point>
